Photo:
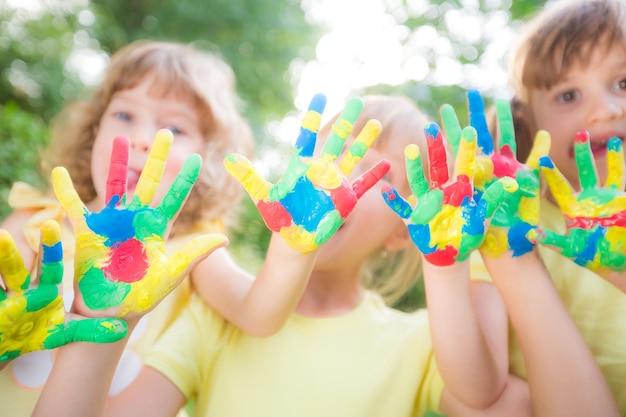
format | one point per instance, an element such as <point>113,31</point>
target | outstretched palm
<point>314,197</point>
<point>447,224</point>
<point>514,224</point>
<point>596,216</point>
<point>33,318</point>
<point>121,267</point>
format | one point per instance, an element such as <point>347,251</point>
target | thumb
<point>103,330</point>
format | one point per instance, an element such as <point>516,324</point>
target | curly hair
<point>187,73</point>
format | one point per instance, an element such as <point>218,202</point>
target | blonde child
<point>568,75</point>
<point>151,86</point>
<point>343,352</point>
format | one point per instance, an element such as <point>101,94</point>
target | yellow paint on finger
<point>312,121</point>
<point>152,173</point>
<point>66,194</point>
<point>361,144</point>
<point>541,147</point>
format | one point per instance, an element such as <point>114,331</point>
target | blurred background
<point>282,52</point>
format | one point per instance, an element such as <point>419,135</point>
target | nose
<point>141,138</point>
<point>605,107</point>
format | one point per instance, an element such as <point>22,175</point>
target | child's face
<point>371,223</point>
<point>138,115</point>
<point>591,98</point>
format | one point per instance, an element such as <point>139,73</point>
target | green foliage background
<point>260,39</point>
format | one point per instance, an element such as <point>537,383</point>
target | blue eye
<point>568,96</point>
<point>175,130</point>
<point>123,116</point>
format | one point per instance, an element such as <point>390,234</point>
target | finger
<point>496,194</point>
<point>587,172</point>
<point>557,183</point>
<point>396,203</point>
<point>415,170</point>
<point>478,121</point>
<point>193,252</point>
<point>242,170</point>
<point>541,147</point>
<point>152,173</point>
<point>51,267</point>
<point>451,126</point>
<point>180,188</point>
<point>66,194</point>
<point>342,128</point>
<point>550,238</point>
<point>437,158</point>
<point>465,160</point>
<point>370,177</point>
<point>507,143</point>
<point>14,273</point>
<point>615,165</point>
<point>361,144</point>
<point>118,169</point>
<point>305,145</point>
<point>88,330</point>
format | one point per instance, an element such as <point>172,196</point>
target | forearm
<point>465,359</point>
<point>85,368</point>
<point>260,306</point>
<point>563,376</point>
<point>278,287</point>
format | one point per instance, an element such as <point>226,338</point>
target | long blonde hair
<point>188,73</point>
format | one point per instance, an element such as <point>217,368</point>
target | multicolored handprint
<point>33,319</point>
<point>314,197</point>
<point>447,223</point>
<point>121,265</point>
<point>595,216</point>
<point>514,224</point>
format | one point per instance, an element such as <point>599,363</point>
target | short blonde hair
<point>392,274</point>
<point>188,73</point>
<point>562,35</point>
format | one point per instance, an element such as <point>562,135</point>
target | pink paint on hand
<point>128,262</point>
<point>275,215</point>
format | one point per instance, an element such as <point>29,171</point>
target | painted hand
<point>596,216</point>
<point>513,227</point>
<point>314,197</point>
<point>33,319</point>
<point>447,224</point>
<point>121,267</point>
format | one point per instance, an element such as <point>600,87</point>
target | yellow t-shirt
<point>373,361</point>
<point>23,378</point>
<point>597,307</point>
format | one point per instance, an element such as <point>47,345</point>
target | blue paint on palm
<point>589,252</point>
<point>420,234</point>
<point>307,204</point>
<point>116,225</point>
<point>518,241</point>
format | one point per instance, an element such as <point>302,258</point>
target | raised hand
<point>447,224</point>
<point>121,267</point>
<point>314,197</point>
<point>33,319</point>
<point>596,216</point>
<point>514,224</point>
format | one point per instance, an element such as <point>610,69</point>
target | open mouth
<point>599,147</point>
<point>133,179</point>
